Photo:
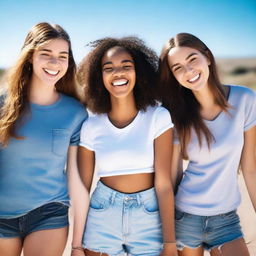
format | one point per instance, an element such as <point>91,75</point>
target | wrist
<point>77,248</point>
<point>169,243</point>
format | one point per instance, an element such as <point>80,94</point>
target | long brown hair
<point>180,101</point>
<point>16,99</point>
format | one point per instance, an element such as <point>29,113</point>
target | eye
<point>63,57</point>
<point>176,69</point>
<point>127,67</point>
<point>44,54</point>
<point>108,69</point>
<point>193,60</point>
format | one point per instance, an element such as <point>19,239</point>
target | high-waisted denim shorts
<point>48,216</point>
<point>120,223</point>
<point>193,231</point>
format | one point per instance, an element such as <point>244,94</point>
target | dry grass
<point>228,66</point>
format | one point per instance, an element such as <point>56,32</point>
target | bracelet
<point>80,248</point>
<point>171,242</point>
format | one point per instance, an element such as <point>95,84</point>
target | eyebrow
<point>123,61</point>
<point>190,55</point>
<point>47,50</point>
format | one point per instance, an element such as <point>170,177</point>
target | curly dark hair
<point>89,74</point>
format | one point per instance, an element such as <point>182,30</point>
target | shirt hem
<point>201,212</point>
<point>116,173</point>
<point>65,202</point>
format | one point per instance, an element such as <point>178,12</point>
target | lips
<point>194,79</point>
<point>51,72</point>
<point>120,82</point>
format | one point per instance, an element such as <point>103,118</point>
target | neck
<point>205,97</point>
<point>123,111</point>
<point>209,109</point>
<point>43,94</point>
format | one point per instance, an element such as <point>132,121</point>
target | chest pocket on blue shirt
<point>60,141</point>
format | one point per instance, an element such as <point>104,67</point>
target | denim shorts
<point>193,231</point>
<point>49,216</point>
<point>120,223</point>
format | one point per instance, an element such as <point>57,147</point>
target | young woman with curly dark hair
<point>127,142</point>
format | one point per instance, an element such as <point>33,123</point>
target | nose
<point>188,68</point>
<point>53,60</point>
<point>118,71</point>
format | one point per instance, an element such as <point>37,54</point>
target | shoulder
<point>93,121</point>
<point>159,119</point>
<point>242,91</point>
<point>157,111</point>
<point>71,102</point>
<point>74,106</point>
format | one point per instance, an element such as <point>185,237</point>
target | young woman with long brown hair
<point>39,127</point>
<point>215,128</point>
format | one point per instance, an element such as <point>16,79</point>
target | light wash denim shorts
<point>123,224</point>
<point>48,216</point>
<point>193,231</point>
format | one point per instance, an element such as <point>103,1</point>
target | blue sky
<point>228,27</point>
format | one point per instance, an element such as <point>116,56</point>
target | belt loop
<point>138,199</point>
<point>113,195</point>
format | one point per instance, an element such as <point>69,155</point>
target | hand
<point>169,250</point>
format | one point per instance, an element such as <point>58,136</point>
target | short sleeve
<point>75,138</point>
<point>250,111</point>
<point>163,121</point>
<point>86,139</point>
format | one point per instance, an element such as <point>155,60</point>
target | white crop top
<point>128,150</point>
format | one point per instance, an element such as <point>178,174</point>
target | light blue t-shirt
<point>32,170</point>
<point>209,185</point>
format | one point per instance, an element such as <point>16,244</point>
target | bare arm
<point>79,199</point>
<point>86,163</point>
<point>248,163</point>
<point>164,190</point>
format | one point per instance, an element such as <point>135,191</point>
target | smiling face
<point>118,72</point>
<point>50,62</point>
<point>190,67</point>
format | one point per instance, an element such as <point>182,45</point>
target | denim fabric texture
<point>48,216</point>
<point>121,224</point>
<point>193,231</point>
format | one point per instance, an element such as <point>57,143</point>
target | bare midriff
<point>130,183</point>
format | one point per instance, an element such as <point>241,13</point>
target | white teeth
<point>120,82</point>
<point>51,72</point>
<point>194,78</point>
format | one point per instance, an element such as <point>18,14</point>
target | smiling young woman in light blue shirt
<point>39,131</point>
<point>216,132</point>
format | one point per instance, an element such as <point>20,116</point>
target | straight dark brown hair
<point>180,101</point>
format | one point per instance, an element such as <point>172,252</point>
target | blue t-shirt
<point>32,170</point>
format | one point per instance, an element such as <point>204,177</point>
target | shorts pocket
<point>54,209</point>
<point>179,216</point>
<point>60,141</point>
<point>229,215</point>
<point>98,204</point>
<point>150,205</point>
